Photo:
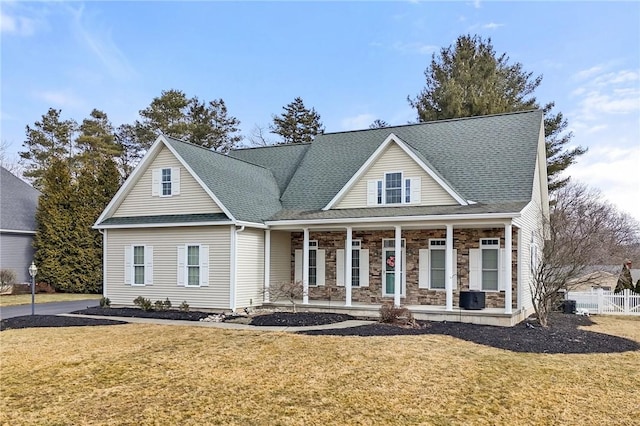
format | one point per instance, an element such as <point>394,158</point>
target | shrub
<point>184,306</point>
<point>144,304</point>
<point>166,304</point>
<point>7,279</point>
<point>105,302</point>
<point>391,314</point>
<point>159,305</point>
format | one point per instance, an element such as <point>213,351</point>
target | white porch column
<point>347,267</point>
<point>448,268</point>
<point>267,264</point>
<point>396,270</point>
<point>305,267</point>
<point>508,282</point>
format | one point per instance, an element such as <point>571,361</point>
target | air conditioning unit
<point>472,300</point>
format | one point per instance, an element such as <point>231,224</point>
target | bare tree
<point>290,290</point>
<point>11,163</point>
<point>582,230</point>
<point>258,137</point>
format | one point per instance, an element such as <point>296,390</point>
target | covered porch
<point>438,260</point>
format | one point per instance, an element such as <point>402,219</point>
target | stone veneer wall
<point>463,240</point>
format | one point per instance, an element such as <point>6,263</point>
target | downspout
<point>234,266</point>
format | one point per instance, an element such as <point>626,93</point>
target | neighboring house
<point>18,203</point>
<point>463,199</point>
<point>601,276</point>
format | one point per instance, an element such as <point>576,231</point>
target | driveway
<point>52,308</point>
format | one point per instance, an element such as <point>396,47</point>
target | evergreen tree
<point>297,124</point>
<point>175,115</point>
<point>378,124</point>
<point>96,141</point>
<point>468,79</point>
<point>49,139</point>
<point>130,147</point>
<point>53,241</point>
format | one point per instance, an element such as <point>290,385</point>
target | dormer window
<point>165,182</point>
<point>394,189</point>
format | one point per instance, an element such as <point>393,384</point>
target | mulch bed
<point>31,321</point>
<point>562,336</point>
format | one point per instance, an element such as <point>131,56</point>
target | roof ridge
<point>277,145</point>
<point>216,152</point>
<point>446,120</point>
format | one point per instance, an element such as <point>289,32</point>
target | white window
<point>138,264</point>
<point>313,263</point>
<point>316,265</point>
<point>490,264</point>
<point>359,265</point>
<point>165,182</point>
<point>432,265</point>
<point>394,189</point>
<point>193,265</point>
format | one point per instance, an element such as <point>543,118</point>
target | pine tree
<point>53,241</point>
<point>469,79</point>
<point>211,126</point>
<point>297,124</point>
<point>49,139</point>
<point>378,124</point>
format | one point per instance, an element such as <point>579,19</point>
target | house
<point>414,215</point>
<point>18,203</point>
<point>600,276</point>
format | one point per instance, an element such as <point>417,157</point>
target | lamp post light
<point>33,270</point>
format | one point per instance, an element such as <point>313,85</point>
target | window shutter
<point>364,268</point>
<point>148,265</point>
<point>181,265</point>
<point>297,275</point>
<point>501,268</point>
<point>372,192</point>
<point>475,271</point>
<point>423,268</point>
<point>155,182</point>
<point>204,266</point>
<point>415,190</point>
<point>128,265</point>
<point>175,181</point>
<point>340,267</point>
<point>320,267</point>
<point>455,269</point>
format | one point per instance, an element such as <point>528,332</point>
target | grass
<point>153,374</point>
<point>25,299</point>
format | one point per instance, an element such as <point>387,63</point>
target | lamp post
<point>33,270</point>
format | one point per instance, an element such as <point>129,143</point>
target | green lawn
<point>165,375</point>
<point>25,299</point>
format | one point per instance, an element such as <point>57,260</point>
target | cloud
<point>360,121</point>
<point>60,98</point>
<point>100,43</point>
<point>17,25</point>
<point>476,4</point>
<point>415,47</point>
<point>588,73</point>
<point>492,26</point>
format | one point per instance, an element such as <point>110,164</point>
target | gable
<point>140,201</point>
<point>395,159</point>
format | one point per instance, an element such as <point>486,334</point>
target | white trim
<point>133,265</point>
<point>483,245</point>
<point>305,266</point>
<point>508,267</point>
<point>382,220</point>
<point>143,166</point>
<point>161,225</point>
<point>17,231</point>
<point>186,264</point>
<point>233,252</point>
<point>348,259</point>
<point>267,265</point>
<point>449,273</point>
<point>104,262</point>
<point>374,157</point>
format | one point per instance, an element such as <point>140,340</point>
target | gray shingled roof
<point>167,218</point>
<point>485,159</point>
<point>282,160</point>
<point>18,203</point>
<point>248,191</point>
<point>382,212</point>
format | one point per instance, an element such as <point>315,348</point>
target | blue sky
<point>353,62</point>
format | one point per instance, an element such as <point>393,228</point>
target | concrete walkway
<point>227,325</point>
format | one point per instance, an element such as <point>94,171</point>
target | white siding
<point>165,242</point>
<point>395,159</point>
<point>529,223</point>
<point>192,198</point>
<point>250,278</point>
<point>280,258</point>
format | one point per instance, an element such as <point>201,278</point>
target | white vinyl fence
<point>606,302</point>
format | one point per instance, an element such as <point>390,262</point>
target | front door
<point>389,259</point>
